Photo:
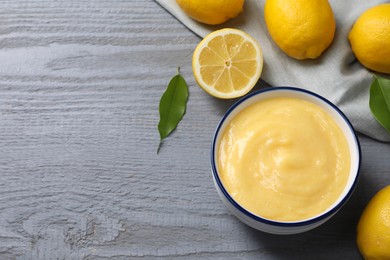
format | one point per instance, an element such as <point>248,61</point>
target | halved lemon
<point>227,63</point>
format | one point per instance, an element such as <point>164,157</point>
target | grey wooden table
<point>80,83</point>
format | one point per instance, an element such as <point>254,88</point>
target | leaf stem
<point>159,146</point>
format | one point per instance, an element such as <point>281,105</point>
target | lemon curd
<point>284,159</point>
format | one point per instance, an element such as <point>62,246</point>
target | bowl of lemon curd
<point>285,160</point>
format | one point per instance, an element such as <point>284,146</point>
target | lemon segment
<point>227,63</point>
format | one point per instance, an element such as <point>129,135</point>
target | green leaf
<point>380,101</point>
<point>172,106</point>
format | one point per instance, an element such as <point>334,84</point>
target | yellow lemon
<point>370,38</point>
<point>211,11</point>
<point>373,231</point>
<point>227,63</point>
<point>302,29</point>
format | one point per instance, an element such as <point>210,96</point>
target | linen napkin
<point>336,75</point>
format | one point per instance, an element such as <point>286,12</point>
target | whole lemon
<point>302,29</point>
<point>373,231</point>
<point>211,11</point>
<point>370,38</point>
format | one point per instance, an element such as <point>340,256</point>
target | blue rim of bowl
<point>267,221</point>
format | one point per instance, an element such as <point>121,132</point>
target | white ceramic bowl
<point>280,227</point>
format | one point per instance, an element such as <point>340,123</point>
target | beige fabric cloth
<point>336,75</point>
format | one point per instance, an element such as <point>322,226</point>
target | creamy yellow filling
<point>284,159</point>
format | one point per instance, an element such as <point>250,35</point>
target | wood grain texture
<point>80,83</point>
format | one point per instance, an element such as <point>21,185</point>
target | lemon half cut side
<point>227,63</point>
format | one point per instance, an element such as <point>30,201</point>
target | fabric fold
<point>336,74</point>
